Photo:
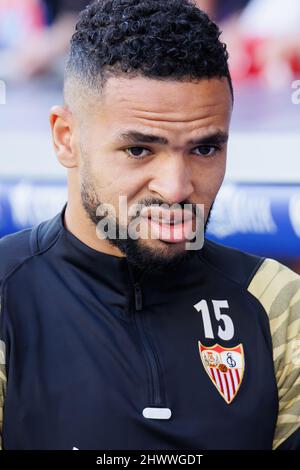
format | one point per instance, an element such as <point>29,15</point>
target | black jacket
<point>101,356</point>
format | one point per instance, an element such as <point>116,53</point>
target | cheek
<point>218,177</point>
<point>112,183</point>
<point>208,179</point>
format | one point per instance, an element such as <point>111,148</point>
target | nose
<point>173,180</point>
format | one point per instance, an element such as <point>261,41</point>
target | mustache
<point>148,202</point>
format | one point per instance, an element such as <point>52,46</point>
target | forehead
<point>166,104</point>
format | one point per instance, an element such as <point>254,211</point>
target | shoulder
<point>238,266</point>
<point>17,247</point>
<point>13,250</point>
<point>275,286</point>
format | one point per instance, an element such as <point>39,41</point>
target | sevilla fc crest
<point>225,367</point>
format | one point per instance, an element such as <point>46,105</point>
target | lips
<point>172,226</point>
<point>163,216</point>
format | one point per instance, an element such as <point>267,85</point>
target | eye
<point>207,150</point>
<point>137,152</point>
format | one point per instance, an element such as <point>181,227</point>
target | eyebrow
<point>133,138</point>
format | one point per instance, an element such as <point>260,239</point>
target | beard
<point>146,258</point>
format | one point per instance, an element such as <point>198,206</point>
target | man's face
<point>155,142</point>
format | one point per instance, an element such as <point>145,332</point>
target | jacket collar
<point>115,272</point>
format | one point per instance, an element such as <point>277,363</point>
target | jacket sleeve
<point>2,377</point>
<point>292,443</point>
<point>278,290</point>
<point>14,249</point>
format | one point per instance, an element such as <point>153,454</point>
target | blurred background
<point>258,209</point>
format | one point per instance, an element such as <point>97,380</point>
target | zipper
<point>138,297</point>
<point>156,395</point>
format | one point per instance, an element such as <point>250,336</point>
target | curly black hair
<point>154,38</point>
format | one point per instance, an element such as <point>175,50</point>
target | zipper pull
<point>137,290</point>
<point>138,297</point>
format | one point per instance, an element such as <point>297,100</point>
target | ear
<point>61,123</point>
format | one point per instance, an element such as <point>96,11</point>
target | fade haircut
<point>159,39</point>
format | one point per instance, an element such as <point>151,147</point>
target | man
<point>112,341</point>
